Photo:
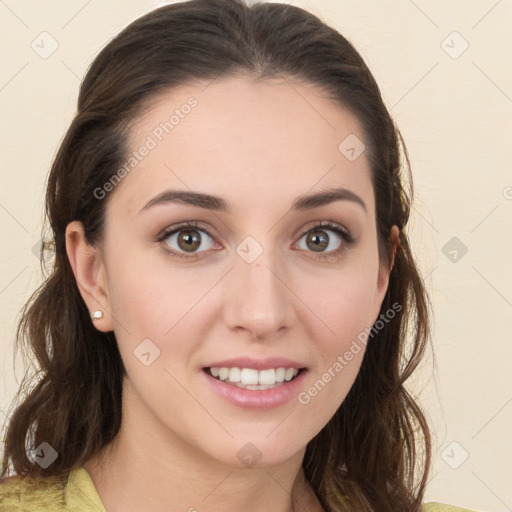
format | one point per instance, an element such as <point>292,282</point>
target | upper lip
<point>257,364</point>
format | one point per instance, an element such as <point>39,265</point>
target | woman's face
<point>258,282</point>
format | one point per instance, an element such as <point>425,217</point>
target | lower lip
<point>257,398</point>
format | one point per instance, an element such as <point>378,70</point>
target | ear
<point>385,271</point>
<point>90,274</point>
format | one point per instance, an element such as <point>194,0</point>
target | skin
<point>258,146</point>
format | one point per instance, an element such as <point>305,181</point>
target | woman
<point>225,323</point>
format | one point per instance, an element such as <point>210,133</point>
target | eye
<point>186,238</point>
<point>319,241</point>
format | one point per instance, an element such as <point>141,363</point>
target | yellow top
<point>78,494</point>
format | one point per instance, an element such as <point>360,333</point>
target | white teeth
<point>254,379</point>
<point>289,374</point>
<point>259,386</point>
<point>249,376</point>
<point>267,377</point>
<point>235,375</point>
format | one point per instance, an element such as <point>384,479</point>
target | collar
<point>80,493</point>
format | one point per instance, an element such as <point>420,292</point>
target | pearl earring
<point>95,315</point>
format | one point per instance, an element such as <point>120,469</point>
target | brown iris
<point>319,240</point>
<point>189,240</point>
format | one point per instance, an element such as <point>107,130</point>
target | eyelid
<point>182,226</point>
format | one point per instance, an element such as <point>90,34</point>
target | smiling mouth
<point>250,378</point>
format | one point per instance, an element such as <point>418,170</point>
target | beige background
<point>454,109</point>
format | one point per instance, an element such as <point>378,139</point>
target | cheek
<point>341,313</point>
<point>147,296</point>
<point>152,311</point>
<point>152,301</point>
<point>342,301</point>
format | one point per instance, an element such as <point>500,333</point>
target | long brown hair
<point>375,452</point>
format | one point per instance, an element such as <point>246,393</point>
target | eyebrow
<point>209,202</point>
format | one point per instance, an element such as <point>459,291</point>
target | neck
<point>149,468</point>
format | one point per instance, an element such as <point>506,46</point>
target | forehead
<point>236,137</point>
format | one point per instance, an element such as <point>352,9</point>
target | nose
<point>258,298</point>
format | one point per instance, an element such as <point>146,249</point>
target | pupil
<point>319,240</point>
<point>189,240</point>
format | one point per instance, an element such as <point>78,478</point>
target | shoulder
<point>442,507</point>
<point>26,494</point>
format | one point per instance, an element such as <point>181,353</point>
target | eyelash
<point>342,232</point>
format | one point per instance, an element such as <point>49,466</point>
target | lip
<point>257,364</point>
<point>257,399</point>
